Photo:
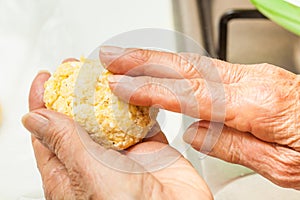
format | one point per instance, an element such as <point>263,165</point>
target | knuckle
<point>189,67</point>
<point>285,178</point>
<point>213,92</point>
<point>286,172</point>
<point>276,72</point>
<point>268,68</point>
<point>140,56</point>
<point>193,65</point>
<point>198,88</point>
<point>195,59</point>
<point>60,136</point>
<point>234,149</point>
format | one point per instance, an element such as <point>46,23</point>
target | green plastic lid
<point>283,12</point>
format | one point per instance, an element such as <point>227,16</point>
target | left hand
<point>70,171</point>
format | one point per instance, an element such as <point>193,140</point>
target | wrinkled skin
<point>262,106</point>
<point>70,171</point>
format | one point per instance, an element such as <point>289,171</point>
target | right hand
<point>261,115</point>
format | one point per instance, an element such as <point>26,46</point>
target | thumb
<point>58,133</point>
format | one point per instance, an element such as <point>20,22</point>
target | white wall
<point>38,35</point>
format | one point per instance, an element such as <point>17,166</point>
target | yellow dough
<point>80,90</point>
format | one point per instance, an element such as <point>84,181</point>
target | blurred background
<point>38,35</point>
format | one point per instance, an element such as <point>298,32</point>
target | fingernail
<point>112,50</point>
<point>119,79</point>
<point>70,60</point>
<point>43,72</point>
<point>34,122</point>
<point>108,54</point>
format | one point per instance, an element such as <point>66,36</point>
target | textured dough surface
<point>80,90</point>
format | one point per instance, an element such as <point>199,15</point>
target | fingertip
<point>111,50</point>
<point>123,86</point>
<point>108,54</point>
<point>204,123</point>
<point>42,76</point>
<point>70,60</point>
<point>190,133</point>
<point>117,78</point>
<point>156,134</point>
<point>43,72</point>
<point>35,123</point>
<point>37,90</point>
<point>123,60</point>
<point>195,135</point>
<point>24,118</point>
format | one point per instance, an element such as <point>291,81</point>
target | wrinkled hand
<point>261,105</point>
<point>72,167</point>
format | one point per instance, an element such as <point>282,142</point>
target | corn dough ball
<point>80,90</point>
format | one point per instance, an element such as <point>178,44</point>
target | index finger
<point>138,62</point>
<point>142,62</point>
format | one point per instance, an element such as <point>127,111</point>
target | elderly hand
<point>72,166</point>
<point>261,105</point>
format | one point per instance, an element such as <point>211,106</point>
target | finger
<point>53,172</point>
<point>146,62</point>
<point>217,70</point>
<point>277,163</point>
<point>70,60</point>
<point>59,134</point>
<point>159,137</point>
<point>155,134</point>
<point>37,91</point>
<point>195,97</point>
<point>153,156</point>
<point>135,62</point>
